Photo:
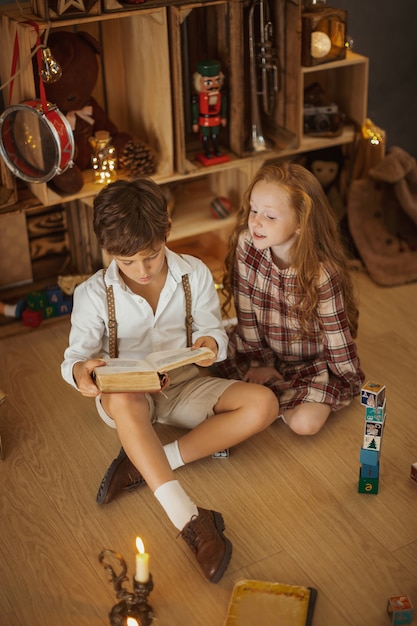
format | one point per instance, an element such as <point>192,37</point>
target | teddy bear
<point>76,53</point>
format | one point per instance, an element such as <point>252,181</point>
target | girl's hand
<point>207,342</point>
<point>82,373</point>
<point>262,375</point>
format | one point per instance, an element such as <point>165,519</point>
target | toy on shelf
<point>77,54</point>
<point>209,110</point>
<point>221,207</point>
<point>373,398</point>
<point>400,610</point>
<point>38,306</point>
<point>327,166</point>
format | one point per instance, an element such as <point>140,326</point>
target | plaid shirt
<point>323,367</point>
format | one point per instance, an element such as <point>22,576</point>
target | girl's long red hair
<point>318,242</point>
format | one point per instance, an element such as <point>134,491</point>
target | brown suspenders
<point>113,348</point>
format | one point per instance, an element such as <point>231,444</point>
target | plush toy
<point>327,165</point>
<point>77,54</point>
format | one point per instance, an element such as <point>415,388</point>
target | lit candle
<point>131,621</point>
<point>142,562</point>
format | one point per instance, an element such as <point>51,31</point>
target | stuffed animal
<point>327,165</point>
<point>76,53</point>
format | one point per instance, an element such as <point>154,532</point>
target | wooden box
<point>134,83</point>
<point>15,262</point>
<point>213,30</point>
<point>323,36</point>
<point>344,83</point>
<point>8,190</point>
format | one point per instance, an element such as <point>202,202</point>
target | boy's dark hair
<point>130,216</point>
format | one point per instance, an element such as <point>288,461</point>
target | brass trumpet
<point>263,70</point>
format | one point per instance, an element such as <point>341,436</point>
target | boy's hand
<point>82,373</point>
<point>207,342</point>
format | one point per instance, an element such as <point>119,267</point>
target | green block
<point>368,485</point>
<point>49,310</point>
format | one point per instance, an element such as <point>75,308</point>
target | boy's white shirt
<point>141,332</point>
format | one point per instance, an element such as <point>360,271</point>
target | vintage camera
<point>321,119</point>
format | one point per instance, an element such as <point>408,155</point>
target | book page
<point>170,359</point>
<point>122,366</point>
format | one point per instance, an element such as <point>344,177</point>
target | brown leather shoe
<point>121,474</point>
<point>204,535</point>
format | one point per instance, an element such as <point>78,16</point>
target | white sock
<point>176,503</point>
<point>10,310</point>
<point>173,455</point>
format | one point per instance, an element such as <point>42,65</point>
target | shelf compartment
<point>345,83</point>
<point>126,88</point>
<point>191,215</point>
<point>197,32</point>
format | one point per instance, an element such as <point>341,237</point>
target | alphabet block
<point>400,610</point>
<point>376,414</point>
<point>32,318</point>
<point>368,485</point>
<point>54,294</point>
<point>373,394</point>
<point>36,300</point>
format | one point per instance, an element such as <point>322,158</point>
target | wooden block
<point>376,414</point>
<point>36,300</point>
<point>54,294</point>
<point>369,471</point>
<point>369,457</point>
<point>65,307</point>
<point>400,610</point>
<point>368,485</point>
<point>32,318</point>
<point>372,443</point>
<point>373,394</point>
<point>49,311</point>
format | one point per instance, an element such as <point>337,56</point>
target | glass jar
<point>103,158</point>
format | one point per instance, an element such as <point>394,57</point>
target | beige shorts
<point>189,399</point>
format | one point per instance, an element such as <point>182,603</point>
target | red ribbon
<point>42,93</point>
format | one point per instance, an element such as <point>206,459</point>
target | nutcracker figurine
<point>209,110</point>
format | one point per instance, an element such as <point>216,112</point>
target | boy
<point>132,224</point>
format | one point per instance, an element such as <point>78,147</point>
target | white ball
<point>320,44</point>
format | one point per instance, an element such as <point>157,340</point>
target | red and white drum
<point>36,142</point>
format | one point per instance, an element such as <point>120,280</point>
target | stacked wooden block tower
<point>373,398</point>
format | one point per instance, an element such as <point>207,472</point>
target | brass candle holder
<point>132,604</point>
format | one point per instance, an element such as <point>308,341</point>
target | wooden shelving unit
<point>145,87</point>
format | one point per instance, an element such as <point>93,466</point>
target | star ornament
<point>71,6</point>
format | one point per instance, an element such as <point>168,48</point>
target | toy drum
<point>36,141</point>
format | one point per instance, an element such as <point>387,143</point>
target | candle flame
<point>131,621</point>
<point>141,549</point>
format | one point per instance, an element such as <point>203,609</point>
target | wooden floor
<point>291,504</point>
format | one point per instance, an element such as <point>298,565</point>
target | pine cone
<point>138,159</point>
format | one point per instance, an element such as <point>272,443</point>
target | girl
<point>296,312</point>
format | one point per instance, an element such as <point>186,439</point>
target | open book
<point>147,374</point>
<point>256,602</point>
